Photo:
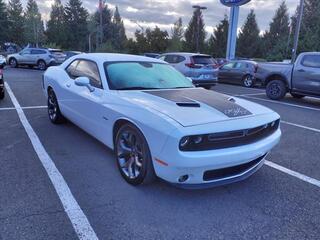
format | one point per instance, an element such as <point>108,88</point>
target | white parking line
<point>31,107</point>
<point>78,219</point>
<point>293,173</point>
<point>301,126</point>
<point>283,103</point>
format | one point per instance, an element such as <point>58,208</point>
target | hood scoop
<point>188,104</point>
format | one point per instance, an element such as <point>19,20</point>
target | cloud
<point>163,13</point>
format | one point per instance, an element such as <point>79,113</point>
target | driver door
<point>25,57</point>
<point>85,106</point>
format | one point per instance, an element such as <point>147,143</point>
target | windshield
<point>203,60</point>
<point>144,75</point>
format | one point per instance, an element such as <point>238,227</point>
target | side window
<point>311,61</point>
<point>26,51</point>
<point>170,59</point>
<point>180,59</point>
<point>228,66</point>
<point>240,65</point>
<point>89,69</point>
<point>162,58</point>
<point>71,69</point>
<point>37,52</point>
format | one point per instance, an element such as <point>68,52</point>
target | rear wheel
<point>42,65</point>
<point>248,81</point>
<point>276,89</point>
<point>133,156</point>
<point>298,96</point>
<point>54,113</point>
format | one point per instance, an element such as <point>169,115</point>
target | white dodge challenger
<point>158,123</point>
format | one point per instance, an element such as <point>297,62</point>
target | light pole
<point>198,9</point>
<point>297,33</point>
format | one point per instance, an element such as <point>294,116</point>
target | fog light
<point>183,178</point>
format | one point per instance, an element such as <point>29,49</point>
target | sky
<point>163,13</point>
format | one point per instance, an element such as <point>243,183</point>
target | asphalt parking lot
<point>281,201</point>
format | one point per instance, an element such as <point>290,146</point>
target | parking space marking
<point>77,217</point>
<point>31,107</point>
<point>301,126</point>
<point>283,103</point>
<point>293,173</point>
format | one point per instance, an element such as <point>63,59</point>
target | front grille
<point>232,139</point>
<point>217,174</point>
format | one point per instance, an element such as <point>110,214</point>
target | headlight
<point>190,141</point>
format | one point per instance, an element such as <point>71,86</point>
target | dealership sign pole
<point>233,25</point>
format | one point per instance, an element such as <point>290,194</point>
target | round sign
<point>232,3</point>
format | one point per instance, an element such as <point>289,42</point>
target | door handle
<point>301,70</point>
<point>68,85</point>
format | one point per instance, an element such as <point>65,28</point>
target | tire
<point>207,87</point>
<point>133,156</point>
<point>54,113</point>
<point>276,89</point>
<point>42,65</point>
<point>248,81</point>
<point>298,96</point>
<point>2,95</point>
<point>13,63</point>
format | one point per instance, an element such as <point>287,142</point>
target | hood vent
<point>188,104</point>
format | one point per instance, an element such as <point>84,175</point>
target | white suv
<point>40,57</point>
<point>201,68</point>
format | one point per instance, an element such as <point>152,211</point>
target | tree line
<point>70,26</point>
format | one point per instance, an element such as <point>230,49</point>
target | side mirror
<point>84,82</point>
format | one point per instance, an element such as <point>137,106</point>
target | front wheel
<point>54,113</point>
<point>133,156</point>
<point>42,65</point>
<point>248,81</point>
<point>276,89</point>
<point>13,63</point>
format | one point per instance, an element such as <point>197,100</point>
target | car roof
<point>116,57</point>
<point>187,54</point>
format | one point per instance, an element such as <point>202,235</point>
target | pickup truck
<point>299,79</point>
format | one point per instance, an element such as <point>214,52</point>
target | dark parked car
<point>1,83</point>
<point>238,72</point>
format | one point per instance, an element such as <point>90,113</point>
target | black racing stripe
<point>210,98</point>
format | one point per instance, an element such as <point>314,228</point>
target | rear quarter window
<point>204,60</point>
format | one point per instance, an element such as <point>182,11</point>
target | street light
<point>297,33</point>
<point>198,9</point>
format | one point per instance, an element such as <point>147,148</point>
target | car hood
<point>196,106</point>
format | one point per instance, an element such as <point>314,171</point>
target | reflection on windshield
<point>144,75</point>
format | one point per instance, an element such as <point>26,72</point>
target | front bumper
<point>196,164</point>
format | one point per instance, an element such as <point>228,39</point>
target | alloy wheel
<point>52,106</point>
<point>248,81</point>
<point>130,154</point>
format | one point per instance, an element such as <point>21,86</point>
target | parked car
<point>3,61</point>
<point>70,54</point>
<point>299,79</point>
<point>201,68</point>
<point>158,123</point>
<point>152,55</point>
<point>40,57</point>
<point>238,72</point>
<point>2,92</point>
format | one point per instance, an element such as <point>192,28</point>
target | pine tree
<point>16,20</point>
<point>177,33</point>
<point>192,32</point>
<point>119,37</point>
<point>3,22</point>
<point>107,26</point>
<point>276,38</point>
<point>34,30</point>
<point>56,25</point>
<point>310,27</point>
<point>249,41</point>
<point>157,40</point>
<point>76,25</point>
<point>218,41</point>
